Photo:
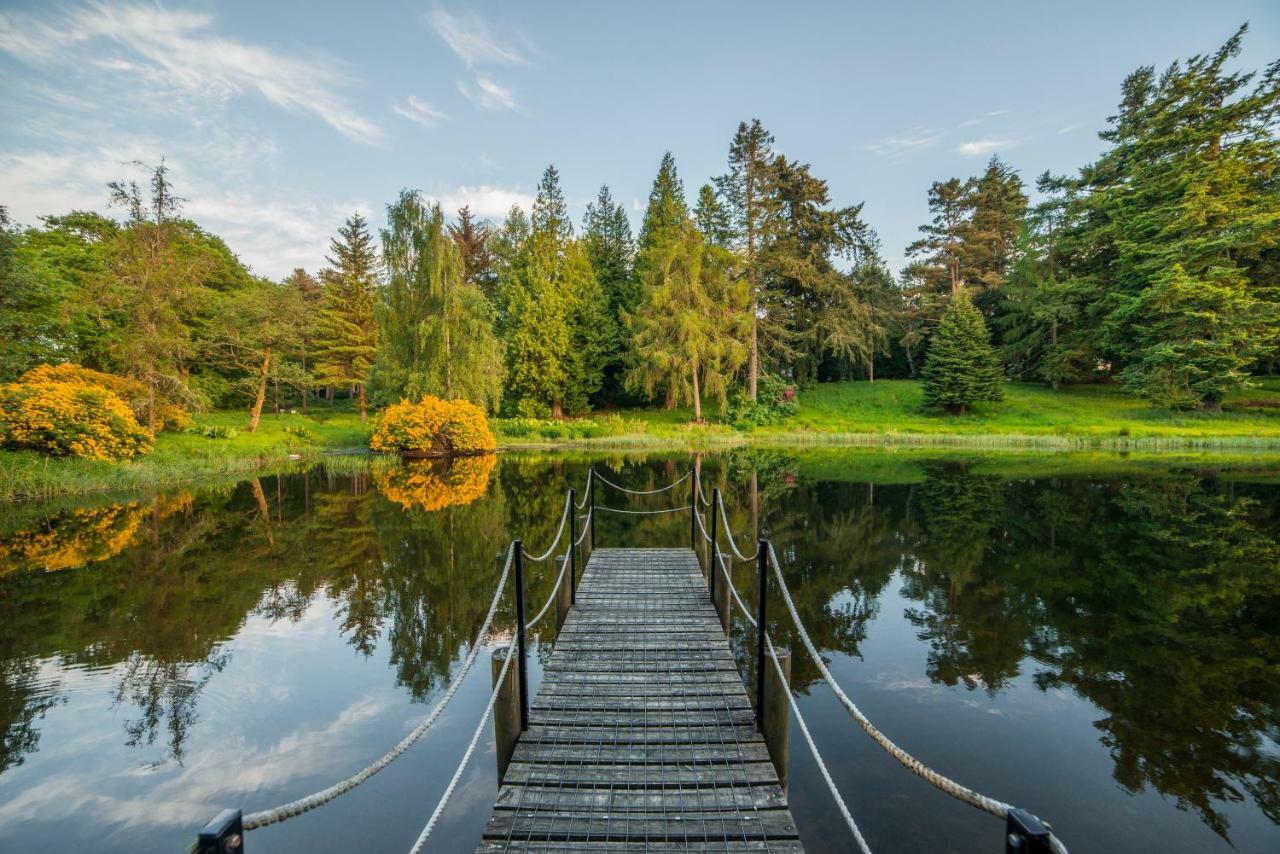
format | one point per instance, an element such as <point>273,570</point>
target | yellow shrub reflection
<point>432,485</point>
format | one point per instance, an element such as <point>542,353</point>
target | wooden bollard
<point>564,601</point>
<point>777,713</point>
<point>721,594</point>
<point>506,711</point>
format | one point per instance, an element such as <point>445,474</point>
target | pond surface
<point>1100,645</point>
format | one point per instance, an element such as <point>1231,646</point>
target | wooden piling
<point>506,712</point>
<point>720,592</point>
<point>564,601</point>
<point>777,713</point>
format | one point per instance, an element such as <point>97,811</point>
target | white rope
<point>310,802</point>
<point>671,485</point>
<point>733,590</point>
<point>586,526</point>
<point>564,565</point>
<point>564,517</point>
<point>642,512</point>
<point>702,492</point>
<point>946,784</point>
<point>586,493</point>
<point>728,532</point>
<point>813,748</point>
<point>466,757</point>
<point>702,527</point>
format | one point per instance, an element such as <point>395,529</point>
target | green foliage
<point>216,431</point>
<point>346,327</point>
<point>961,368</point>
<point>775,404</point>
<point>568,429</point>
<point>711,217</point>
<point>606,235</point>
<point>667,208</point>
<point>301,432</point>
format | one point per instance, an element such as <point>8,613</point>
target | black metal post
<point>591,520</point>
<point>693,517</point>
<point>715,557</point>
<point>573,548</point>
<point>223,835</point>
<point>521,664</point>
<point>1025,834</point>
<point>762,572</point>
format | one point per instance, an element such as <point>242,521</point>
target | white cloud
<point>469,37</point>
<point>969,123</point>
<point>897,146</point>
<point>417,110</point>
<point>485,201</point>
<point>489,94</point>
<point>1069,128</point>
<point>977,147</point>
<point>179,53</point>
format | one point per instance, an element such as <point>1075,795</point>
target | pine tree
<point>938,252</point>
<point>996,207</point>
<point>472,237</point>
<point>689,332</point>
<point>606,236</point>
<point>347,330</point>
<point>712,218</point>
<point>744,187</point>
<point>435,326</point>
<point>667,208</point>
<point>550,213</point>
<point>961,368</point>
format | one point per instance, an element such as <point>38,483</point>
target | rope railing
<point>630,491</point>
<point>728,532</point>
<point>624,511</point>
<point>297,807</point>
<point>564,519</point>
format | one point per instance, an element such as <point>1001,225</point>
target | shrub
<point>169,415</point>
<point>301,432</point>
<point>567,429</point>
<point>214,431</point>
<point>66,419</point>
<point>775,403</point>
<point>433,428</point>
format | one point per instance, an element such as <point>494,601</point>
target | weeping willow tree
<point>436,326</point>
<point>688,334</point>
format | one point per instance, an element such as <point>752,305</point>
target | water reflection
<point>1152,595</point>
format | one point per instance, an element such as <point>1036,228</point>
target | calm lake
<point>1097,641</point>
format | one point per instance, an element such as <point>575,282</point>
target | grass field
<point>886,414</point>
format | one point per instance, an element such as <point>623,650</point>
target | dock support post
<point>521,664</point>
<point>564,599</point>
<point>573,546</point>
<point>720,595</point>
<point>777,714</point>
<point>712,566</point>
<point>762,625</point>
<point>223,835</point>
<point>693,516</point>
<point>1025,834</point>
<point>506,711</point>
<point>591,520</point>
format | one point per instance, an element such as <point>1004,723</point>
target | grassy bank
<point>189,457</point>
<point>891,413</point>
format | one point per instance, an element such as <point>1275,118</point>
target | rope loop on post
<point>629,491</point>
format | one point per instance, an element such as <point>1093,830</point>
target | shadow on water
<point>1129,616</point>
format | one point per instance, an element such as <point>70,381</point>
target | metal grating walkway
<point>642,736</point>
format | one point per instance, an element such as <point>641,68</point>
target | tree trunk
<point>557,409</point>
<point>871,370</point>
<point>697,395</point>
<point>263,510</point>
<point>256,412</point>
<point>151,407</point>
<point>364,404</point>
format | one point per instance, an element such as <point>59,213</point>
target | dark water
<point>1100,646</point>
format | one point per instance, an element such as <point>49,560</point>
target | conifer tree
<point>472,237</point>
<point>744,188</point>
<point>938,252</point>
<point>348,332</point>
<point>996,206</point>
<point>435,326</point>
<point>667,208</point>
<point>606,236</point>
<point>310,296</point>
<point>712,218</point>
<point>961,368</point>
<point>689,332</point>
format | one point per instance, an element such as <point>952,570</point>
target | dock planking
<point>641,736</point>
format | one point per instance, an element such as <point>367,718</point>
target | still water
<point>1096,641</point>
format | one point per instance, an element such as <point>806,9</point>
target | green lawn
<point>189,457</point>
<point>892,412</point>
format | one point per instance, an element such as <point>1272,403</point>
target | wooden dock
<point>641,736</point>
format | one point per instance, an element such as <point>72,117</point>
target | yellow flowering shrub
<point>169,416</point>
<point>435,484</point>
<point>433,428</point>
<point>70,420</point>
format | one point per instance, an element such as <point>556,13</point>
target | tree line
<point>1154,267</point>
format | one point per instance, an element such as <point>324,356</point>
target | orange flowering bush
<point>433,428</point>
<point>433,485</point>
<point>73,539</point>
<point>65,419</point>
<point>169,416</point>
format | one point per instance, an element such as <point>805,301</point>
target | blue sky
<point>281,118</point>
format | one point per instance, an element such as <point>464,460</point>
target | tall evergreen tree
<point>667,208</point>
<point>435,326</point>
<point>744,188</point>
<point>347,329</point>
<point>689,331</point>
<point>472,237</point>
<point>938,252</point>
<point>996,206</point>
<point>606,236</point>
<point>961,368</point>
<point>712,218</point>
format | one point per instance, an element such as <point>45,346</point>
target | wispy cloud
<point>1069,128</point>
<point>485,201</point>
<point>181,53</point>
<point>977,147</point>
<point>489,94</point>
<point>468,35</point>
<point>899,145</point>
<point>416,110</point>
